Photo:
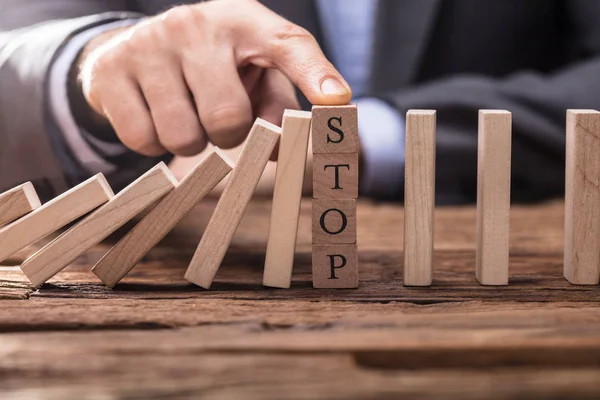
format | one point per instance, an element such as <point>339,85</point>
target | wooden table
<point>157,336</point>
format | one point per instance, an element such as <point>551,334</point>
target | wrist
<point>85,116</point>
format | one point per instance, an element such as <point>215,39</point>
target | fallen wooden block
<point>162,218</point>
<point>285,211</point>
<point>233,202</point>
<point>493,197</point>
<point>54,215</point>
<point>335,266</point>
<point>335,176</point>
<point>17,202</point>
<point>419,197</point>
<point>335,129</point>
<point>63,250</point>
<point>582,198</point>
<point>334,221</point>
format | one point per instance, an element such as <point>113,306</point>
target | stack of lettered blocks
<point>335,190</point>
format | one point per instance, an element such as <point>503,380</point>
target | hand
<point>201,73</point>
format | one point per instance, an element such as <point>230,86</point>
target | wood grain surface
<point>158,336</point>
<point>582,198</point>
<point>159,221</point>
<point>493,196</point>
<point>62,251</point>
<point>419,197</point>
<point>215,242</point>
<point>54,215</point>
<point>17,202</point>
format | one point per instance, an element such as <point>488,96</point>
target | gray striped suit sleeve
<point>31,35</point>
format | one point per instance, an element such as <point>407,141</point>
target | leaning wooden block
<point>231,206</point>
<point>17,202</point>
<point>334,221</point>
<point>162,219</point>
<point>582,198</point>
<point>335,266</point>
<point>493,197</point>
<point>54,215</point>
<point>335,176</point>
<point>419,197</point>
<point>94,228</point>
<point>285,211</point>
<point>335,129</point>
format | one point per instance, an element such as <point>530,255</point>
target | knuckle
<point>228,126</point>
<point>184,142</point>
<point>139,137</point>
<point>178,16</point>
<point>142,39</point>
<point>288,32</point>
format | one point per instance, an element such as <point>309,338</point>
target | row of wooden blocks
<point>24,221</point>
<point>582,197</point>
<point>335,189</point>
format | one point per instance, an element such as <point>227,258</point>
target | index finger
<point>274,42</point>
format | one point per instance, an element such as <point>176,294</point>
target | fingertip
<point>333,91</point>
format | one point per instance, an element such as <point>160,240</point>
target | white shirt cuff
<point>381,130</point>
<point>91,161</point>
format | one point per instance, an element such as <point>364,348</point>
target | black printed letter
<point>344,221</point>
<point>337,173</point>
<point>333,266</point>
<point>336,130</point>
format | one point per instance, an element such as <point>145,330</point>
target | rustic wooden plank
<point>139,195</point>
<point>154,226</point>
<point>287,196</point>
<point>233,202</point>
<point>493,196</point>
<point>54,215</point>
<point>419,197</point>
<point>582,198</point>
<point>17,202</point>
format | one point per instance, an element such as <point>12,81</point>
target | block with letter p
<point>335,266</point>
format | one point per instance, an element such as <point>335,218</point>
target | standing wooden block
<point>334,221</point>
<point>419,197</point>
<point>162,219</point>
<point>335,266</point>
<point>493,196</point>
<point>582,198</point>
<point>17,202</point>
<point>233,202</point>
<point>94,228</point>
<point>335,176</point>
<point>287,195</point>
<point>54,215</point>
<point>335,129</point>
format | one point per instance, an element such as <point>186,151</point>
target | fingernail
<point>333,87</point>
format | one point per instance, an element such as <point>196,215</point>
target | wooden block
<point>419,197</point>
<point>162,219</point>
<point>17,202</point>
<point>231,206</point>
<point>94,228</point>
<point>335,176</point>
<point>335,266</point>
<point>333,221</point>
<point>335,129</point>
<point>285,211</point>
<point>54,215</point>
<point>582,198</point>
<point>493,196</point>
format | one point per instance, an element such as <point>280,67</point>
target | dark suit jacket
<point>535,58</point>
